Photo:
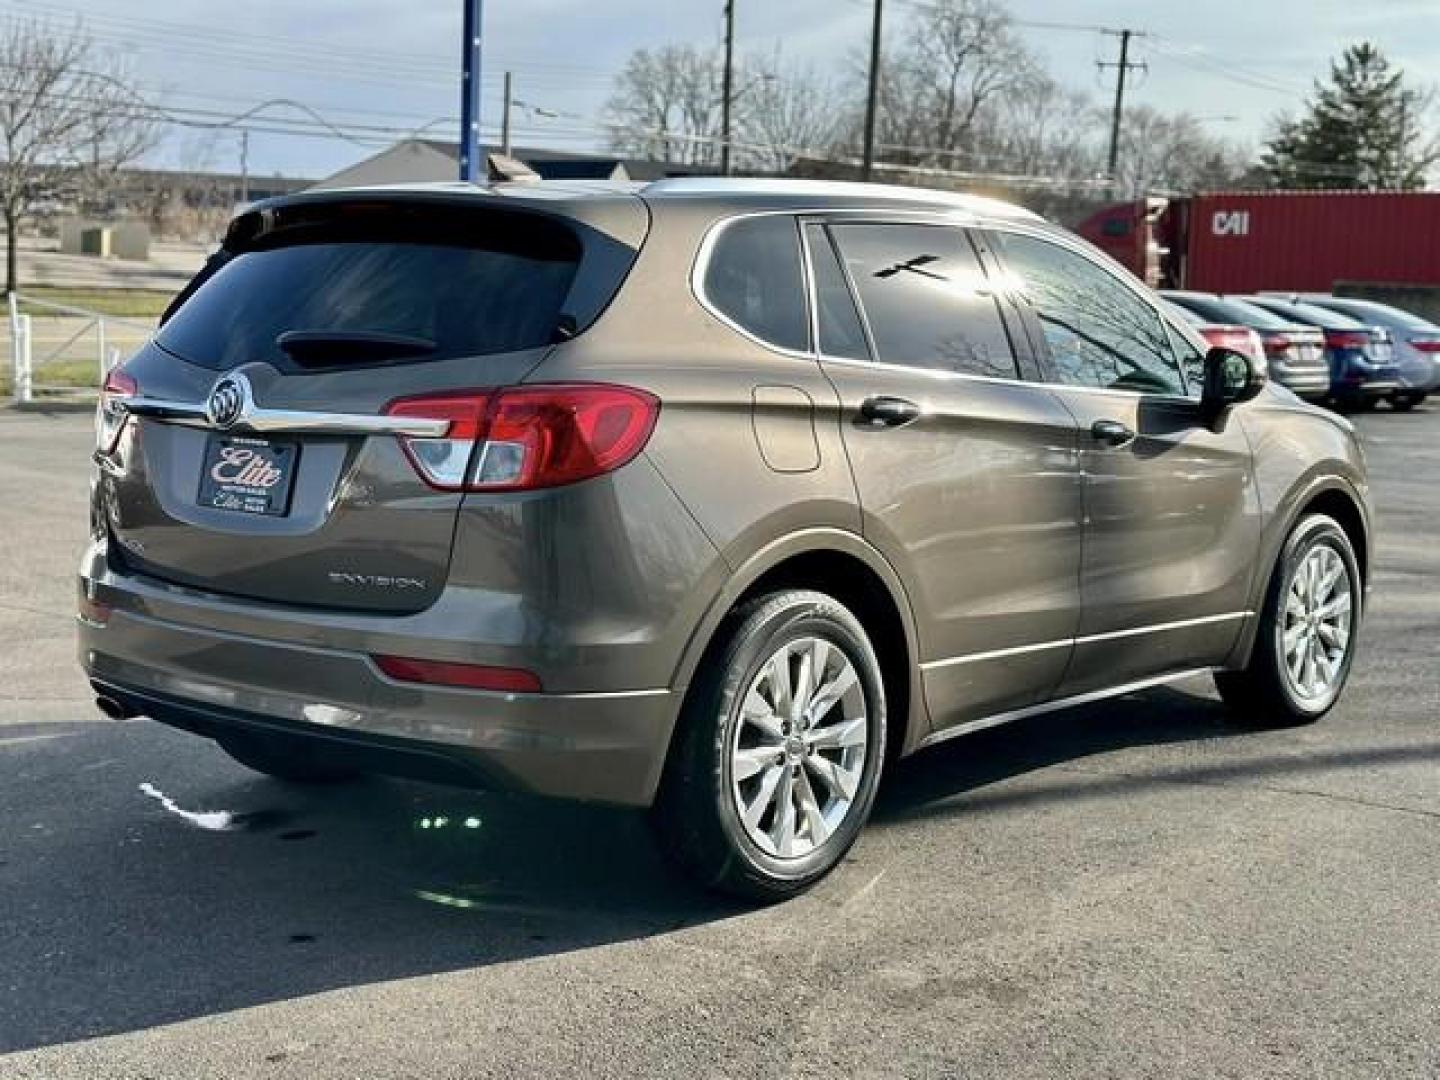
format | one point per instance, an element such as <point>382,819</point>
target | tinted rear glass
<point>927,299</point>
<point>1367,310</point>
<point>1306,314</point>
<point>754,279</point>
<point>474,284</point>
<point>1230,311</point>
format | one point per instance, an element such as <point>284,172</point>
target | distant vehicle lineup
<point>1292,268</point>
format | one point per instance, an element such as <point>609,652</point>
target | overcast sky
<point>391,64</point>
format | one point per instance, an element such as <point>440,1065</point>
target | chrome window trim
<point>995,720</point>
<point>701,267</point>
<point>1086,639</point>
<point>701,263</point>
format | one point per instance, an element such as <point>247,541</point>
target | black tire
<point>695,816</point>
<point>1406,402</point>
<point>296,761</point>
<point>1262,694</point>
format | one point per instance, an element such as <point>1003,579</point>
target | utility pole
<point>871,96</point>
<point>244,167</point>
<point>725,89</point>
<point>470,164</point>
<point>505,119</point>
<point>1123,66</point>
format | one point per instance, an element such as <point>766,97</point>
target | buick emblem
<point>228,401</point>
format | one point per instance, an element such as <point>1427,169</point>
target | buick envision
<point>711,497</point>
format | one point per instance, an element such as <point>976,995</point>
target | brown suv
<point>705,496</point>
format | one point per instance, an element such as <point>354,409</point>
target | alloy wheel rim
<point>1316,624</point>
<point>798,750</point>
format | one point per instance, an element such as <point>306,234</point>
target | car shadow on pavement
<point>215,888</point>
<point>145,879</point>
<point>1147,718</point>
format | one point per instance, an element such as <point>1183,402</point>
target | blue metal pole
<point>470,165</point>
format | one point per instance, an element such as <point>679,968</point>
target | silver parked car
<point>711,497</point>
<point>1294,352</point>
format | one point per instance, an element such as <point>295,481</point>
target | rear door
<point>321,316</point>
<point>966,474</point>
<point>1172,519</point>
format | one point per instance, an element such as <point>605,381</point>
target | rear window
<point>472,283</point>
<point>1236,312</point>
<point>1366,310</point>
<point>1308,314</point>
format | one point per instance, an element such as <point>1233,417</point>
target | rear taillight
<point>466,676</point>
<point>110,414</point>
<point>528,436</point>
<point>1347,339</point>
<point>1426,345</point>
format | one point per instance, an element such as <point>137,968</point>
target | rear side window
<point>926,298</point>
<point>472,285</point>
<point>753,278</point>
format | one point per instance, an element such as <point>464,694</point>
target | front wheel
<point>1406,402</point>
<point>1306,640</point>
<point>779,749</point>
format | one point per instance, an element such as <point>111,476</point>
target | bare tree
<point>785,111</point>
<point>63,117</point>
<point>1174,152</point>
<point>666,105</point>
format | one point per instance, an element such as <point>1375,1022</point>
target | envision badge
<point>229,401</point>
<point>376,581</point>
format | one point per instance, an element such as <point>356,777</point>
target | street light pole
<point>470,94</point>
<point>872,94</point>
<point>725,87</point>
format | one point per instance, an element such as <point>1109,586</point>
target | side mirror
<point>1230,378</point>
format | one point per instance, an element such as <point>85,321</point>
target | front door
<point>1172,519</point>
<point>967,476</point>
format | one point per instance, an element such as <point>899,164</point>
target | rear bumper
<point>606,747</point>
<point>1305,382</point>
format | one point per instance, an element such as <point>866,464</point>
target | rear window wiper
<point>318,348</point>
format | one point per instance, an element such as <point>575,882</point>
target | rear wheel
<point>1406,402</point>
<point>1306,640</point>
<point>779,749</point>
<point>294,760</point>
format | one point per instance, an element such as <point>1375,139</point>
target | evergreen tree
<point>1364,129</point>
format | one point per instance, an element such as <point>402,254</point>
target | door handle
<point>1112,433</point>
<point>885,411</point>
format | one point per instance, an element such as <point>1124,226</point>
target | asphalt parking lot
<point>1132,889</point>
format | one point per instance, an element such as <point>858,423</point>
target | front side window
<point>926,298</point>
<point>1098,331</point>
<point>754,279</point>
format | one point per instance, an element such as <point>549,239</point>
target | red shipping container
<point>1308,241</point>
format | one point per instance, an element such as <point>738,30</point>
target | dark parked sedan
<point>1362,365</point>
